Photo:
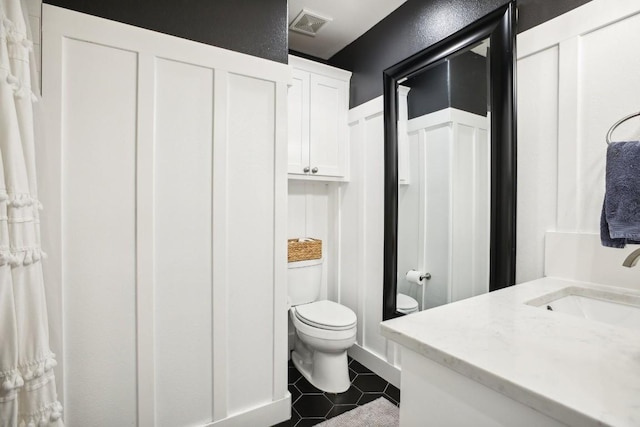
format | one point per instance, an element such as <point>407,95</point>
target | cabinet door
<point>298,110</point>
<point>328,126</point>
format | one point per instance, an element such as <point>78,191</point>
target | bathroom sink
<point>614,308</point>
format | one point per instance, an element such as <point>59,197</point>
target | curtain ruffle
<point>27,383</point>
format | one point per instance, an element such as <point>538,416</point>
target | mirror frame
<point>499,26</point>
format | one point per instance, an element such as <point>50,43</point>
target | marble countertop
<point>577,371</point>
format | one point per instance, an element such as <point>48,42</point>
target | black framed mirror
<point>471,190</point>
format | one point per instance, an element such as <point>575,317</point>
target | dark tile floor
<point>310,406</point>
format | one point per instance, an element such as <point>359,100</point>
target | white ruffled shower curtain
<point>27,384</point>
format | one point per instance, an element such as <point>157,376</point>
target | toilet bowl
<point>405,304</point>
<point>324,332</point>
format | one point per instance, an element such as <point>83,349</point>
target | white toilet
<point>405,304</point>
<point>324,329</point>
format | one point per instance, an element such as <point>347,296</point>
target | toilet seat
<point>406,304</point>
<point>326,315</point>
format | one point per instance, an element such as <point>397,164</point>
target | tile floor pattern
<point>310,406</point>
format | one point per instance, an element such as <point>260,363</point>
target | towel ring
<point>618,123</point>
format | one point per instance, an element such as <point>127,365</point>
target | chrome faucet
<point>632,259</point>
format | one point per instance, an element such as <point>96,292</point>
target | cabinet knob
<point>306,169</point>
<point>314,170</point>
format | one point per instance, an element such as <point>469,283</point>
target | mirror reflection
<point>444,176</point>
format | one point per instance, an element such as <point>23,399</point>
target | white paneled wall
<point>312,213</point>
<point>443,225</point>
<point>576,77</point>
<point>434,232</point>
<point>98,251</point>
<point>34,9</point>
<point>362,238</point>
<point>182,307</point>
<point>164,179</point>
<point>537,184</point>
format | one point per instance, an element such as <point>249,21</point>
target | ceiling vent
<point>308,23</point>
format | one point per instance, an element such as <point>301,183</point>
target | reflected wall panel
<point>462,193</point>
<point>437,238</point>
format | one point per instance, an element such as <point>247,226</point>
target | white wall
<point>361,224</point>
<point>312,213</point>
<point>576,77</point>
<point>34,9</point>
<point>164,179</point>
<point>443,225</point>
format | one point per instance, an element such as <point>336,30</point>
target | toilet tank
<point>303,281</point>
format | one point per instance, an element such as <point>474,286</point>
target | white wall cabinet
<point>318,132</point>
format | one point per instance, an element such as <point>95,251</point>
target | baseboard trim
<point>266,415</point>
<point>375,363</point>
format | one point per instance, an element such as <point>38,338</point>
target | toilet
<point>405,304</point>
<point>324,330</point>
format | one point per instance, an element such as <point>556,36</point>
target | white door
<point>298,110</point>
<point>328,126</point>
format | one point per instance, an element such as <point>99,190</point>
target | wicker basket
<point>303,251</point>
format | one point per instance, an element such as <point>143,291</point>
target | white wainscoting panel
<point>349,245</point>
<point>409,214</point>
<point>250,149</point>
<point>362,239</point>
<point>537,160</point>
<point>372,235</point>
<point>450,183</point>
<point>609,87</point>
<point>435,251</point>
<point>98,252</point>
<point>575,79</point>
<point>164,176</point>
<point>470,205</point>
<point>34,10</point>
<point>183,243</point>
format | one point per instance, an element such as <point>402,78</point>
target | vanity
<point>524,355</point>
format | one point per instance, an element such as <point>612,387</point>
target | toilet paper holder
<point>425,276</point>
<point>414,276</point>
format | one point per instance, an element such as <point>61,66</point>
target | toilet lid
<point>326,315</point>
<point>405,302</point>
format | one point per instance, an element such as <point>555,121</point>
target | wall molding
<point>381,367</point>
<point>128,37</point>
<point>368,109</point>
<point>268,414</point>
<point>578,22</point>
